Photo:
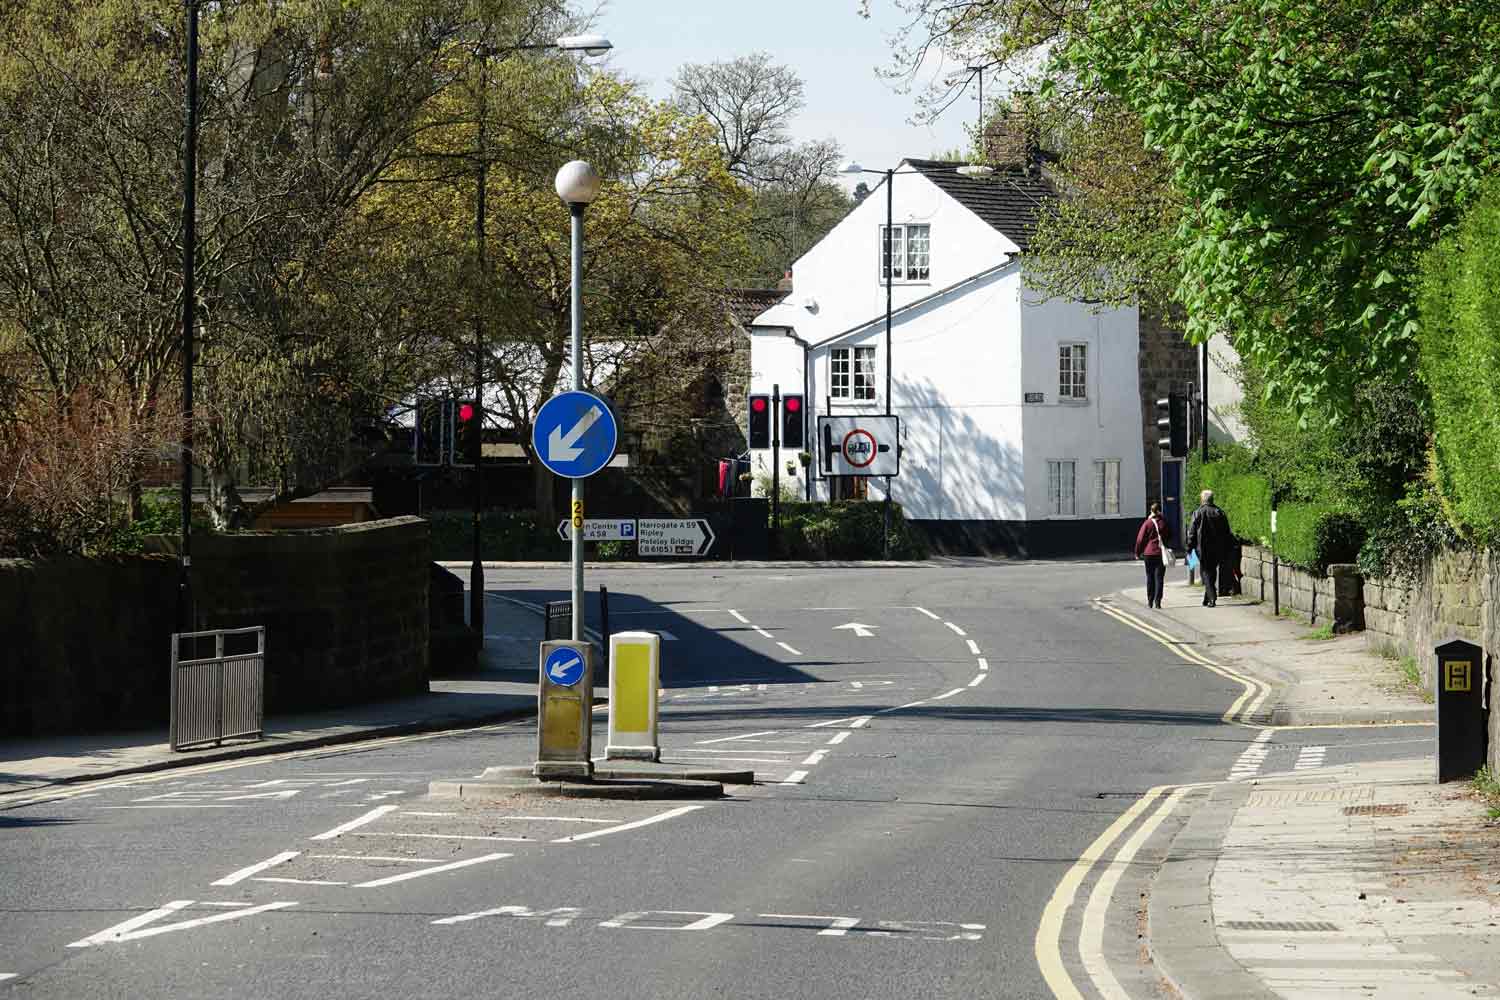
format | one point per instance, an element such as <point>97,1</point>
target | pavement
<point>1363,880</point>
<point>503,688</point>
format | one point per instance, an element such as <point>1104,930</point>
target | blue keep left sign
<point>575,434</point>
<point>564,667</point>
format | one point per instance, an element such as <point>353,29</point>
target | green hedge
<point>1309,535</point>
<point>846,529</point>
<point>1460,362</point>
<point>504,535</point>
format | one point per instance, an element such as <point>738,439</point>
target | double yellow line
<point>1243,711</point>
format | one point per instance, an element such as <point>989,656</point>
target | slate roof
<point>747,303</point>
<point>1010,200</point>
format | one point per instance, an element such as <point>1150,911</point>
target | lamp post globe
<point>577,183</point>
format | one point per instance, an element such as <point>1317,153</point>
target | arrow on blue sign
<point>575,434</point>
<point>564,667</point>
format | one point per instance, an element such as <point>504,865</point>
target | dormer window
<point>911,250</point>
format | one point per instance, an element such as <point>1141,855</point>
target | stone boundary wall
<point>87,640</point>
<point>1336,597</point>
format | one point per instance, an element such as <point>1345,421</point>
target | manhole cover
<point>1278,925</point>
<point>1385,809</point>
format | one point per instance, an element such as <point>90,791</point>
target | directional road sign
<point>600,529</point>
<point>673,537</point>
<point>575,434</point>
<point>864,445</point>
<point>564,667</point>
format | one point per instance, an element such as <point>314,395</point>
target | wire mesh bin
<point>218,686</point>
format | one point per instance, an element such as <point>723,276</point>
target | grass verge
<point>1324,631</point>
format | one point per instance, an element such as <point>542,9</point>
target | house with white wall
<point>1025,424</point>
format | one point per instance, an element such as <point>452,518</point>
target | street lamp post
<point>577,185</point>
<point>593,45</point>
<point>185,614</point>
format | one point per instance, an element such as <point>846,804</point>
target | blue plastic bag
<point>1192,559</point>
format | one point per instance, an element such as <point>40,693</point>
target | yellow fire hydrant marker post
<point>634,672</point>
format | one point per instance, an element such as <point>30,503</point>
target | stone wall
<point>1336,597</point>
<point>1166,362</point>
<point>1457,595</point>
<point>87,640</point>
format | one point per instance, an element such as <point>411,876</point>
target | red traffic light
<point>793,404</point>
<point>465,412</point>
<point>758,404</point>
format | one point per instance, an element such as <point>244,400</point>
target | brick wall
<point>1335,597</point>
<point>345,610</point>
<point>1166,362</point>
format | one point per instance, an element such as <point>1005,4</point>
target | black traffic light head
<point>428,437</point>
<point>1171,419</point>
<point>466,436</point>
<point>760,421</point>
<point>793,433</point>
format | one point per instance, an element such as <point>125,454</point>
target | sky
<point>826,42</point>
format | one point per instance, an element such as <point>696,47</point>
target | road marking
<point>417,812</point>
<point>761,687</point>
<point>1248,764</point>
<point>763,632</point>
<point>838,738</point>
<point>837,926</point>
<point>351,781</point>
<point>973,646</point>
<point>127,930</point>
<point>1242,712</point>
<point>815,757</point>
<point>1091,940</point>
<point>256,868</point>
<point>8,975</point>
<point>705,921</point>
<point>568,914</point>
<point>739,617</point>
<point>795,778</point>
<point>955,628</point>
<point>789,649</point>
<point>976,681</point>
<point>634,825</point>
<point>929,614</point>
<point>854,721</point>
<point>420,872</point>
<point>949,694</point>
<point>295,881</point>
<point>910,704</point>
<point>856,684</point>
<point>730,739</point>
<point>451,836</point>
<point>1310,757</point>
<point>379,857</point>
<point>984,664</point>
<point>356,823</point>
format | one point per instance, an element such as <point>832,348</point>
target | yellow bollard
<point>565,702</point>
<point>634,673</point>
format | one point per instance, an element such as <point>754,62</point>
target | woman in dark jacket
<point>1151,543</point>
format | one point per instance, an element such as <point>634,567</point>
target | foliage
<point>789,492</point>
<point>1487,786</point>
<point>1309,534</point>
<point>160,513</point>
<point>518,535</point>
<point>1460,308</point>
<point>846,529</point>
<point>1416,527</point>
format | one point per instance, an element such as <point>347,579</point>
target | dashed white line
<point>795,778</point>
<point>815,757</point>
<point>984,664</point>
<point>949,694</point>
<point>356,823</point>
<point>739,617</point>
<point>976,681</point>
<point>1310,757</point>
<point>658,818</point>
<point>838,738</point>
<point>763,632</point>
<point>256,868</point>
<point>1249,762</point>
<point>973,646</point>
<point>789,649</point>
<point>955,628</point>
<point>929,614</point>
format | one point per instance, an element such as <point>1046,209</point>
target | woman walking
<point>1152,543</point>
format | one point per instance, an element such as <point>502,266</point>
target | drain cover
<point>1386,809</point>
<point>1278,925</point>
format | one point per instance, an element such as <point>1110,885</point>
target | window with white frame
<point>1060,487</point>
<point>1107,486</point>
<point>911,249</point>
<point>851,373</point>
<point>1072,371</point>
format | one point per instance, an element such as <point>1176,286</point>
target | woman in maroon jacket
<point>1151,544</point>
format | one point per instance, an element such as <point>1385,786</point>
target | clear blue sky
<point>827,43</point>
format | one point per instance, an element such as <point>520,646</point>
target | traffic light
<point>428,436</point>
<point>760,421</point>
<point>1171,419</point>
<point>466,433</point>
<point>792,434</point>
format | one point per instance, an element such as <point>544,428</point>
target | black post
<point>476,568</point>
<point>1205,402</point>
<point>185,615</point>
<point>1275,562</point>
<point>776,456</point>
<point>890,273</point>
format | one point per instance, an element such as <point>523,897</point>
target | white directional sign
<point>865,445</point>
<point>600,529</point>
<point>673,536</point>
<point>863,631</point>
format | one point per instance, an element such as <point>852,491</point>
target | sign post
<point>565,706</point>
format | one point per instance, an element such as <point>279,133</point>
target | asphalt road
<point>923,790</point>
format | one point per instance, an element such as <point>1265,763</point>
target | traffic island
<point>641,782</point>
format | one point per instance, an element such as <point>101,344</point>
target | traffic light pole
<point>776,457</point>
<point>576,209</point>
<point>185,615</point>
<point>476,567</point>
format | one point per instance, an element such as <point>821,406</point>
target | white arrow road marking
<point>127,930</point>
<point>863,631</point>
<point>560,446</point>
<point>560,670</point>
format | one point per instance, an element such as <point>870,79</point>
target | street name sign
<point>600,529</point>
<point>660,536</point>
<point>864,445</point>
<point>575,434</point>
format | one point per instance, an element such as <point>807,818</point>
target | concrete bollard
<point>634,676</point>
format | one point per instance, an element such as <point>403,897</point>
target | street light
<point>593,45</point>
<point>189,314</point>
<point>577,185</point>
